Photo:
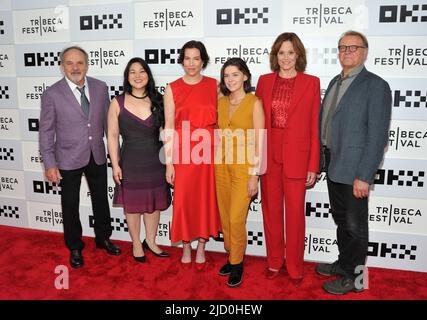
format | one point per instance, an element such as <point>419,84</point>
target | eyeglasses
<point>351,48</point>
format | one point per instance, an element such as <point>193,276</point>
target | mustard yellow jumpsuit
<point>233,166</point>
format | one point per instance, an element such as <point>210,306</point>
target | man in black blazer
<point>354,122</point>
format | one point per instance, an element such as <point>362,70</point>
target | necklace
<point>136,97</point>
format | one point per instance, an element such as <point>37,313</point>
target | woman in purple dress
<point>141,188</point>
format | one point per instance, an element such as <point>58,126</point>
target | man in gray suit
<point>72,126</point>
<point>354,121</point>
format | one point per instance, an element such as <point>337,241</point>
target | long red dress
<point>195,211</point>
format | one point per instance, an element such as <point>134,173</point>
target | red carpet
<point>29,258</point>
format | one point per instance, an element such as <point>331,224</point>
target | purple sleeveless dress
<point>144,188</point>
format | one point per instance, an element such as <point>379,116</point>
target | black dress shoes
<point>329,269</point>
<point>76,259</point>
<point>110,247</point>
<point>162,254</point>
<point>225,269</point>
<point>342,285</point>
<point>236,275</point>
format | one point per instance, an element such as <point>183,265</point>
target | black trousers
<point>96,176</point>
<point>351,217</point>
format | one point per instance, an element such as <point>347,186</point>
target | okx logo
<point>41,59</point>
<point>162,56</point>
<point>318,209</point>
<point>117,224</point>
<point>33,125</point>
<point>1,27</point>
<point>9,211</point>
<point>322,56</point>
<point>46,187</point>
<point>403,13</point>
<point>242,16</point>
<point>408,178</point>
<point>104,22</point>
<point>410,98</point>
<point>255,238</point>
<point>7,154</point>
<point>393,251</point>
<point>115,91</point>
<point>4,92</point>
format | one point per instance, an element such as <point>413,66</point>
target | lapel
<point>69,96</point>
<point>269,94</point>
<point>359,78</point>
<point>298,92</point>
<point>331,84</point>
<point>92,94</point>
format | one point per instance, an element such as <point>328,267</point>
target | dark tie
<point>84,101</point>
<point>326,133</point>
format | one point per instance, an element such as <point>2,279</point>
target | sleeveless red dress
<point>195,211</point>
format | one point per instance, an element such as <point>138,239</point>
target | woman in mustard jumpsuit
<point>237,165</point>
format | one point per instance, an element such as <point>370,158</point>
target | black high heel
<point>140,259</point>
<point>162,254</point>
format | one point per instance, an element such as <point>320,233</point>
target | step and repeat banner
<point>33,33</point>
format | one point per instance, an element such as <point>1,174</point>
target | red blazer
<point>301,150</point>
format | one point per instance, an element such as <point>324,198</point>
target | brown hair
<point>243,67</point>
<point>298,47</point>
<point>193,44</point>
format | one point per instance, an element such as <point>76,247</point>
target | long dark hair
<point>243,67</point>
<point>150,89</point>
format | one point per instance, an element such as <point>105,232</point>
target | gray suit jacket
<point>66,136</point>
<point>359,129</point>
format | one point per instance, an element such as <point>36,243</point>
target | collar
<point>353,72</point>
<point>73,86</point>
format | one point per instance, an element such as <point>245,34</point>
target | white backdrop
<point>32,33</point>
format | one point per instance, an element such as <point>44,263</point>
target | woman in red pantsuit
<point>291,101</point>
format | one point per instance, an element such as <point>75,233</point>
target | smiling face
<point>234,78</point>
<point>74,66</point>
<point>192,62</point>
<point>287,57</point>
<point>350,60</point>
<point>138,77</point>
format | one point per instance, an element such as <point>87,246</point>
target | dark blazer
<point>359,129</point>
<point>301,138</point>
<point>66,136</point>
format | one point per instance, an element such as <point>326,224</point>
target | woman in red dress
<point>190,119</point>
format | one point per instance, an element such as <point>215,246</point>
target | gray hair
<point>357,34</point>
<point>65,50</point>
